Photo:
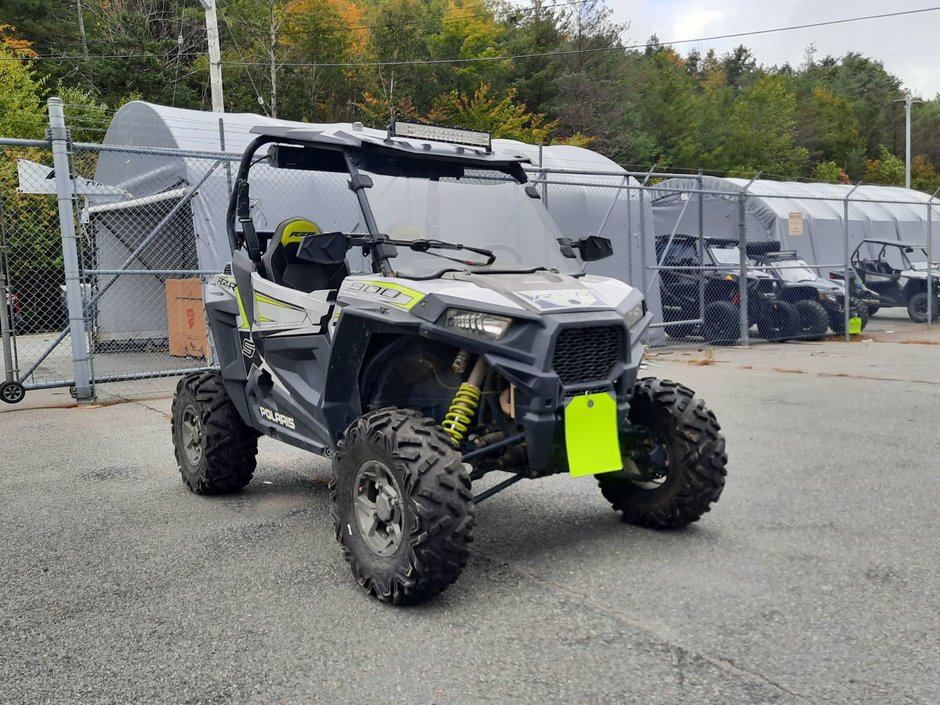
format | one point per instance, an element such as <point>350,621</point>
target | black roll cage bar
<point>239,206</point>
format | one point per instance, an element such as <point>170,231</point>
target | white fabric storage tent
<point>196,240</point>
<point>772,208</point>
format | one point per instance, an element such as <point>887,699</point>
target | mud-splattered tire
<point>402,507</point>
<point>813,319</point>
<point>215,449</point>
<point>695,459</point>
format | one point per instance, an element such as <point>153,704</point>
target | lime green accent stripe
<point>591,435</point>
<point>416,296</point>
<point>241,310</point>
<point>262,299</point>
<point>296,229</point>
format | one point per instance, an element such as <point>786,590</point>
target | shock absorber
<point>464,406</point>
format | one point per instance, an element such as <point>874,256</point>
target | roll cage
<point>392,158</point>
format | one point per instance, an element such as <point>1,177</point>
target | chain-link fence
<point>726,261</point>
<point>31,271</point>
<point>104,250</point>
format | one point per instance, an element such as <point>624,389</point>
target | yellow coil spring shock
<point>462,410</point>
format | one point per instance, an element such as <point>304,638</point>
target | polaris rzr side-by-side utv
<point>819,302</point>
<point>470,343</point>
<point>704,285</point>
<point>897,274</point>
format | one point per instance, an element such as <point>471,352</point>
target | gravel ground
<point>813,580</point>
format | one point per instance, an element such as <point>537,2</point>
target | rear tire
<point>692,474</point>
<point>779,321</point>
<point>721,324</point>
<point>813,319</point>
<point>402,507</point>
<point>215,449</point>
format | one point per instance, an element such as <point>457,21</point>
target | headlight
<point>483,325</point>
<point>634,315</point>
<point>826,296</point>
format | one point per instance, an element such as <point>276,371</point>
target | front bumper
<point>541,394</point>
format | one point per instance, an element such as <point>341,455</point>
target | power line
<point>508,57</point>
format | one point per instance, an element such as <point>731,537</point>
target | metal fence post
<point>700,246</point>
<point>59,138</point>
<point>745,320</point>
<point>845,254</point>
<point>6,325</point>
<point>930,258</point>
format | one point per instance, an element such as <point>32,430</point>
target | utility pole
<point>908,102</point>
<point>215,58</point>
<point>81,28</point>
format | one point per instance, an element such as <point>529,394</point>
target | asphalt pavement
<point>813,580</point>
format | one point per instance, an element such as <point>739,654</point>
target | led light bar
<point>436,133</point>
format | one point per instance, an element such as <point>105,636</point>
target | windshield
<point>795,270</point>
<point>727,256</point>
<point>917,259</point>
<point>480,209</point>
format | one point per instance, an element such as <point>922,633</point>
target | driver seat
<point>282,266</point>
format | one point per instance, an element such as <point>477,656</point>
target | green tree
<point>502,117</point>
<point>20,111</point>
<point>829,172</point>
<point>762,130</point>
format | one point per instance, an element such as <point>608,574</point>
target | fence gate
<point>101,287</point>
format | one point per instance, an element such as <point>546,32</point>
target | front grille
<point>588,354</point>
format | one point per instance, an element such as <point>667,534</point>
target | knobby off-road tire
<point>402,507</point>
<point>917,308</point>
<point>778,322</point>
<point>214,448</point>
<point>721,324</point>
<point>813,319</point>
<point>695,459</point>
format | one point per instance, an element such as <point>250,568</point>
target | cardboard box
<point>186,317</point>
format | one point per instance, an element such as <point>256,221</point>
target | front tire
<point>215,449</point>
<point>813,319</point>
<point>402,507</point>
<point>917,308</point>
<point>685,470</point>
<point>778,322</point>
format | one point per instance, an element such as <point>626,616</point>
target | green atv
<point>422,323</point>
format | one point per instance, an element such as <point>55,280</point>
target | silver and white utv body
<point>306,348</point>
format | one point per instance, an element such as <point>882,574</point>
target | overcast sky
<point>906,45</point>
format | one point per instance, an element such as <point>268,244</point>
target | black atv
<point>701,293</point>
<point>896,272</point>
<point>819,302</point>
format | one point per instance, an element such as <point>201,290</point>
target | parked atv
<point>819,302</point>
<point>472,344</point>
<point>701,292</point>
<point>897,273</point>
